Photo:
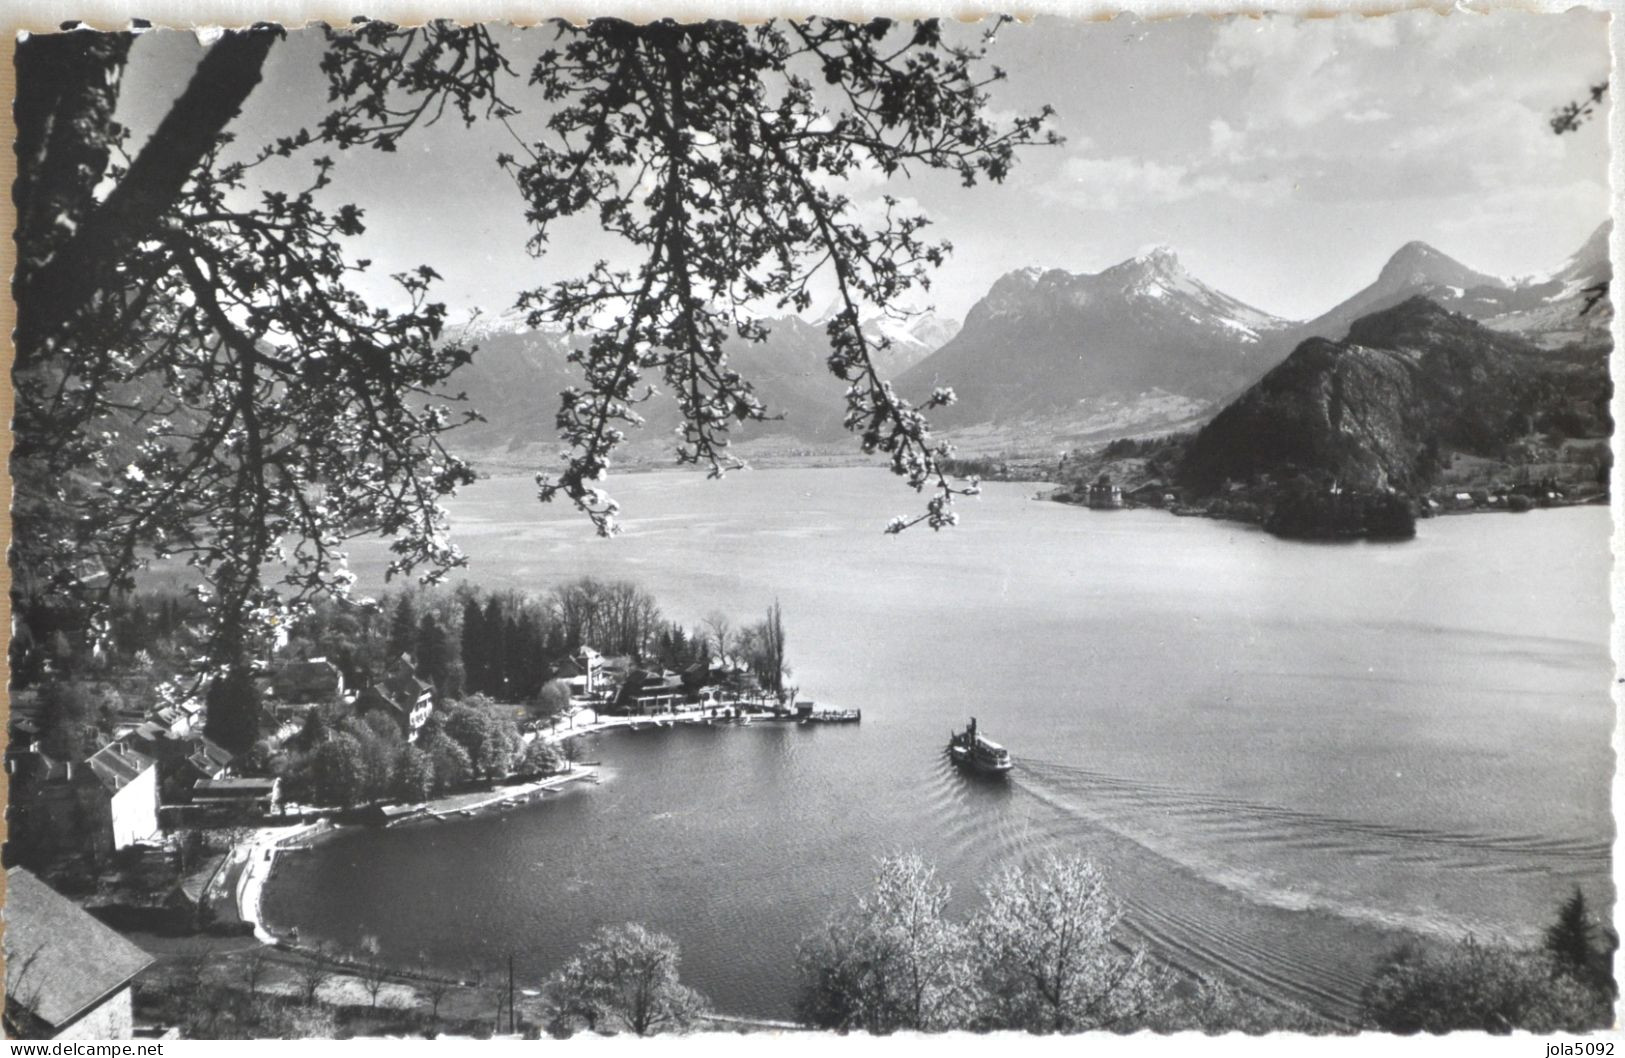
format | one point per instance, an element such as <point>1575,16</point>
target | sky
<point>1284,159</point>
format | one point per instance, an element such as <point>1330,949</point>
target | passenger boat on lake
<point>975,751</point>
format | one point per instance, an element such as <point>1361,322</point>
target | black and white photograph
<point>638,526</point>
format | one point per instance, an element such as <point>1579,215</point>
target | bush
<point>623,980</point>
<point>894,962</point>
<point>1488,988</point>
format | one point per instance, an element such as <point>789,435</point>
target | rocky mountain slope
<point>1392,404</point>
<point>1141,343</point>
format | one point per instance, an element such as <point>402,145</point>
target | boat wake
<point>1253,821</point>
<point>1232,853</point>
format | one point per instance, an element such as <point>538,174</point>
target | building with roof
<point>308,681</point>
<point>47,814</point>
<point>68,977</point>
<point>183,760</point>
<point>1153,493</point>
<point>125,809</point>
<point>402,695</point>
<point>646,691</point>
<point>248,798</point>
<point>1103,495</point>
<point>584,674</point>
<point>182,718</point>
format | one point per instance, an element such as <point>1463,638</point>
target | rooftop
<point>59,960</point>
<point>116,765</point>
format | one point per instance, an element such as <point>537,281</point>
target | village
<point>161,830</point>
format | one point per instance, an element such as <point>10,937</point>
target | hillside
<point>1409,390</point>
<point>516,374</point>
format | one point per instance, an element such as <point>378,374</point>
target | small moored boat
<point>973,750</point>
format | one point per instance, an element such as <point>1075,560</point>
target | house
<point>106,803</point>
<point>1103,495</point>
<point>68,977</point>
<point>651,692</point>
<point>183,760</point>
<point>279,723</point>
<point>311,680</point>
<point>1154,493</point>
<point>182,718</point>
<point>240,798</point>
<point>584,674</point>
<point>402,696</point>
<point>47,809</point>
<point>125,808</point>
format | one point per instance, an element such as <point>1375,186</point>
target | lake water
<point>1285,756</point>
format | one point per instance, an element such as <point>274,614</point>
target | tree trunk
<point>66,279</point>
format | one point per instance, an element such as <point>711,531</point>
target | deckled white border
<point>41,15</point>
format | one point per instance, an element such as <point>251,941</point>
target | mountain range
<point>1047,355</point>
<point>517,372</point>
<point>1141,341</point>
<point>1548,310</point>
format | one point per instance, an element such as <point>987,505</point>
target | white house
<point>127,803</point>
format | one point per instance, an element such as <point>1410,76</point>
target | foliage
<point>413,775</point>
<point>1045,957</point>
<point>73,723</point>
<point>204,1007</point>
<point>893,962</point>
<point>720,183</point>
<point>1482,987</point>
<point>312,973</point>
<point>541,758</point>
<point>623,980</point>
<point>374,973</point>
<point>338,771</point>
<point>1581,948</point>
<point>1212,1006</point>
<point>234,705</point>
<point>1042,955</point>
<point>615,617</point>
<point>452,767</point>
<point>761,646</point>
<point>1572,115</point>
<point>197,378</point>
<point>490,739</point>
<point>1303,510</point>
<point>553,699</point>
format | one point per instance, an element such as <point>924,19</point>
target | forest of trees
<point>342,759</point>
<point>486,650</point>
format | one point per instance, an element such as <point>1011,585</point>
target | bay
<point>1286,756</point>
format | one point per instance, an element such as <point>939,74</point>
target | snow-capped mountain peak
<point>1417,263</point>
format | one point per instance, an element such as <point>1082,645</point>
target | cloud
<point>1399,106</point>
<point>1119,181</point>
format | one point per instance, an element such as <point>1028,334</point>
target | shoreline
<point>257,856</point>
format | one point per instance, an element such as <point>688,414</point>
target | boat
<point>834,716</point>
<point>973,750</point>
